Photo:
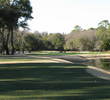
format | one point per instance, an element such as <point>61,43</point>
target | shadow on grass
<point>50,81</point>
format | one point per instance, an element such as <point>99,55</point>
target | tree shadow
<point>50,81</point>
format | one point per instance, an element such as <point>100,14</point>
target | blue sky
<point>62,15</point>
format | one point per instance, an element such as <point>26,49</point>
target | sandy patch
<point>37,61</point>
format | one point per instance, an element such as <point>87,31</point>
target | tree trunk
<point>7,50</point>
<point>12,43</point>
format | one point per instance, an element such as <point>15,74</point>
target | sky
<point>62,15</point>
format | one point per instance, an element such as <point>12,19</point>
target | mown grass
<point>19,58</point>
<point>49,53</point>
<point>50,81</point>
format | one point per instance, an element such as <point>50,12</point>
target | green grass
<point>50,81</point>
<point>18,58</point>
<point>102,63</point>
<point>54,53</point>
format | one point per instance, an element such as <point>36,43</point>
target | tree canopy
<point>13,14</point>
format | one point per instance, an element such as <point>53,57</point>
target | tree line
<point>28,41</point>
<point>92,39</point>
<point>15,14</point>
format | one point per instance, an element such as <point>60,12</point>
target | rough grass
<point>50,81</point>
<point>102,63</point>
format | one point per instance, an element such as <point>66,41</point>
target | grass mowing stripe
<point>50,81</point>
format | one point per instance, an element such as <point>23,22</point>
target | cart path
<point>84,60</point>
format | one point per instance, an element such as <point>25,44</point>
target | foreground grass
<point>50,81</point>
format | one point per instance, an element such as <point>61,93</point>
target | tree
<point>87,44</point>
<point>103,34</point>
<point>19,40</point>
<point>104,23</point>
<point>13,14</point>
<point>57,41</point>
<point>106,44</point>
<point>33,42</point>
<point>77,28</point>
<point>72,44</point>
